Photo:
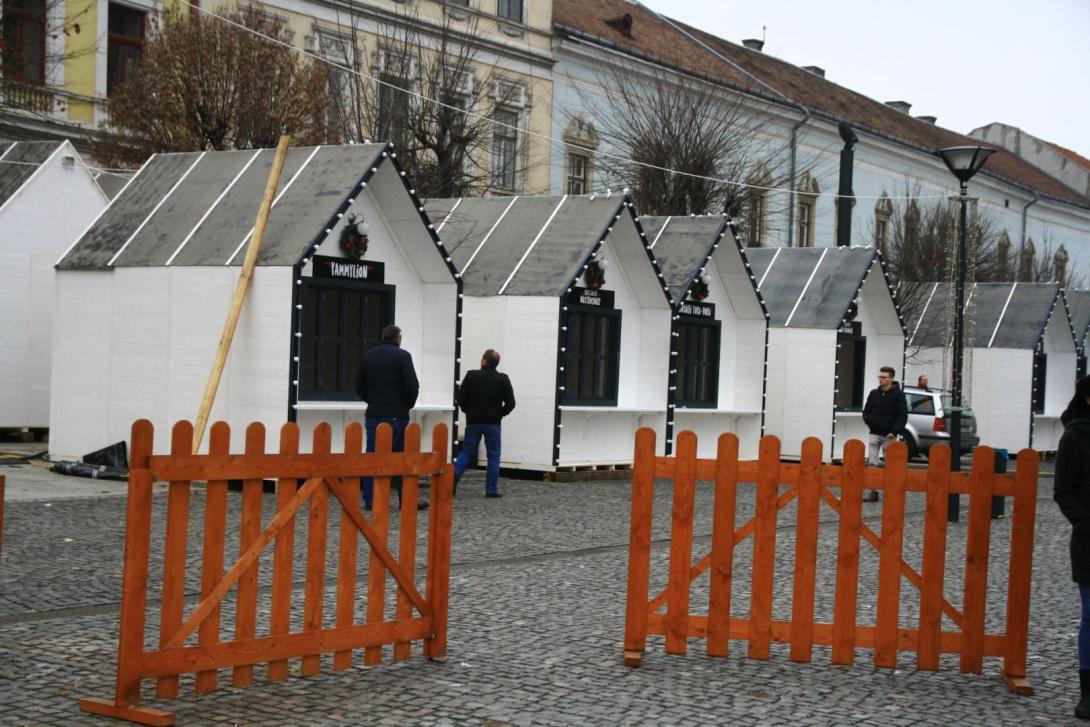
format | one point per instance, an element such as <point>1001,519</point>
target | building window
<point>759,180</point>
<point>459,3</point>
<point>582,138</point>
<point>698,363</point>
<point>883,213</point>
<point>340,321</point>
<point>1040,370</point>
<point>806,225</point>
<point>591,357</point>
<point>504,149</point>
<point>807,204</point>
<point>24,41</point>
<point>509,10</point>
<point>124,44</point>
<point>578,165</point>
<point>851,365</point>
<point>756,205</point>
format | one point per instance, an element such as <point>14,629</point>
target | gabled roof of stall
<point>806,287</point>
<point>683,246</point>
<point>998,315</point>
<point>18,162</point>
<point>533,245</point>
<point>1078,302</point>
<point>199,208</point>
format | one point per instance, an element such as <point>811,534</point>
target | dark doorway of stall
<point>340,321</point>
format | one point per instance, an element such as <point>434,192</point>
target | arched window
<point>760,180</point>
<point>883,213</point>
<point>807,192</point>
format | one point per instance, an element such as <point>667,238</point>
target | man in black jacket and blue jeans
<point>387,382</point>
<point>885,415</point>
<point>486,398</point>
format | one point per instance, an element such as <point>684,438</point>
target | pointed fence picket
<point>840,487</point>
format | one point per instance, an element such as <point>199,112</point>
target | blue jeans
<point>370,424</point>
<point>1084,628</point>
<point>468,455</point>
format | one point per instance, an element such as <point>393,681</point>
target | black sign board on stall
<point>698,310</point>
<point>592,297</point>
<point>365,271</point>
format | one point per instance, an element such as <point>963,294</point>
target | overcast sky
<point>968,62</point>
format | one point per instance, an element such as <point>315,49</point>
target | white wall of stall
<point>37,224</point>
<point>523,329</point>
<point>138,343</point>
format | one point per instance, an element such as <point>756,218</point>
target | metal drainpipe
<point>1016,271</point>
<point>794,156</point>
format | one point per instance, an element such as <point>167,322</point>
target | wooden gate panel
<point>813,482</point>
<point>324,473</point>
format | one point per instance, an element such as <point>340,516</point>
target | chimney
<point>929,119</point>
<point>816,70</point>
<point>754,44</point>
<point>902,106</point>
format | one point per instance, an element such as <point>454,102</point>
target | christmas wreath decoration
<point>354,236</point>
<point>595,276</point>
<point>699,289</point>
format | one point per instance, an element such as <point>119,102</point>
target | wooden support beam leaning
<point>241,288</point>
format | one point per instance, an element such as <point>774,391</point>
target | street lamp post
<point>963,162</point>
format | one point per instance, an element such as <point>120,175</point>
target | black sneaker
<point>492,494</point>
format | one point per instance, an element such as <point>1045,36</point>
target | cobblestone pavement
<point>536,625</point>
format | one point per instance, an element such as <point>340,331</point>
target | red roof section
<point>1073,156</point>
<point>753,72</point>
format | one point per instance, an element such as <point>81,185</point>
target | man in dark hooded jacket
<point>1071,490</point>
<point>885,415</point>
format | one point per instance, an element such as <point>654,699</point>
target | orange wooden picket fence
<point>841,488</point>
<point>326,474</point>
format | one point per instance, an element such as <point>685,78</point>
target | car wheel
<point>913,450</point>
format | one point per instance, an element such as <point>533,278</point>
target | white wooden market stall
<point>143,295</point>
<point>48,196</point>
<point>566,290</point>
<point>719,332</point>
<point>833,324</point>
<point>1020,358</point>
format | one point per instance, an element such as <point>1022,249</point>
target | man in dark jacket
<point>885,415</point>
<point>1071,490</point>
<point>387,382</point>
<point>486,397</point>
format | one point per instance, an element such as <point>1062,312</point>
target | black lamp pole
<point>963,162</point>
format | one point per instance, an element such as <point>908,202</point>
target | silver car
<point>929,421</point>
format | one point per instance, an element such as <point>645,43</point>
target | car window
<point>921,404</point>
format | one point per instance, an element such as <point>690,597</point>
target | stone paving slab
<point>537,611</point>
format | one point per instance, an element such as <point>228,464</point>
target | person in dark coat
<point>885,415</point>
<point>387,382</point>
<point>486,397</point>
<point>1072,493</point>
